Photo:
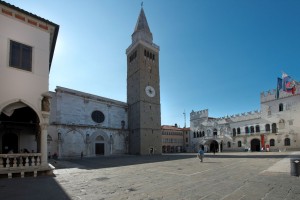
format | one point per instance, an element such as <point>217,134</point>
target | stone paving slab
<point>227,176</point>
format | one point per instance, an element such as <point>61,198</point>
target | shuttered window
<point>20,56</point>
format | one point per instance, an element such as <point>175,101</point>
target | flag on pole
<point>285,79</point>
<point>279,87</point>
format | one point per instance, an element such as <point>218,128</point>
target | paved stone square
<point>257,175</point>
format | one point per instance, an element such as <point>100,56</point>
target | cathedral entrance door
<point>255,145</point>
<point>99,148</point>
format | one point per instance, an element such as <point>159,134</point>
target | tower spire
<point>142,30</point>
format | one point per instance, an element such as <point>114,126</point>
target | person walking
<point>201,154</point>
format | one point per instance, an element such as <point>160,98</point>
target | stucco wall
<point>33,83</point>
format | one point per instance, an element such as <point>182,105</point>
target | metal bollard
<point>295,166</point>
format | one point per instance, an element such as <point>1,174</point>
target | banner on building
<point>262,139</point>
<point>288,84</point>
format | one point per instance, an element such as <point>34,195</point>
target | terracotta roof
<point>186,129</point>
<point>173,128</point>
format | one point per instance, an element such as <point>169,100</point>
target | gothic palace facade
<point>276,127</point>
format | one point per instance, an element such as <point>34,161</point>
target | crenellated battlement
<point>242,116</point>
<point>268,95</point>
<point>198,114</point>
<point>272,94</point>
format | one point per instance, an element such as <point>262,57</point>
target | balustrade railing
<point>21,160</point>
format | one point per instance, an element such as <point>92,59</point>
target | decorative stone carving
<point>88,140</point>
<point>123,124</point>
<point>45,104</point>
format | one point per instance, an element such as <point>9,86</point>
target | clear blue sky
<point>214,54</point>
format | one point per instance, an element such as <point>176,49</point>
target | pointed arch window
<point>194,134</point>
<point>228,144</point>
<point>274,128</point>
<point>287,142</point>
<point>239,130</point>
<point>252,129</point>
<point>239,144</point>
<point>49,139</point>
<point>246,129</point>
<point>272,142</point>
<point>267,127</point>
<point>234,132</point>
<point>215,133</point>
<point>257,129</point>
<point>280,107</point>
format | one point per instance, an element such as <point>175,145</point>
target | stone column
<point>45,108</point>
<point>111,143</point>
<point>219,146</point>
<point>87,145</point>
<point>44,134</point>
<point>60,141</point>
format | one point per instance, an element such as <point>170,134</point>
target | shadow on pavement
<point>29,188</point>
<point>115,161</point>
<point>126,160</point>
<point>262,156</point>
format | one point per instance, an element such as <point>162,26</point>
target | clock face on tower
<point>150,91</point>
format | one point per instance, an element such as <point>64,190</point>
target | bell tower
<point>143,91</point>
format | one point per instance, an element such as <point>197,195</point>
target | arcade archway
<point>214,146</point>
<point>255,145</point>
<point>19,129</point>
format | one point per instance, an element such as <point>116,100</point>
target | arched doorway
<point>99,145</point>
<point>19,129</point>
<point>255,145</point>
<point>214,146</point>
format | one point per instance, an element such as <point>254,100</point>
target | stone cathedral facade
<point>90,125</point>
